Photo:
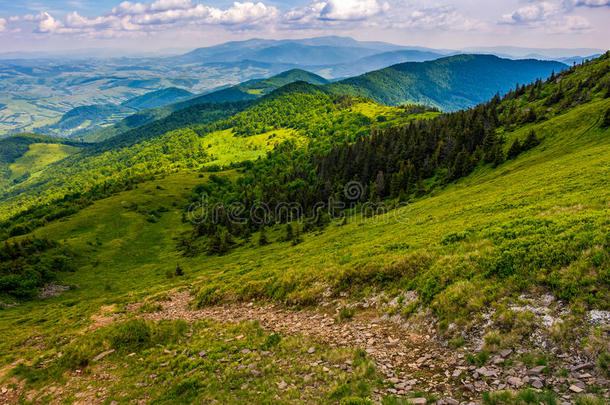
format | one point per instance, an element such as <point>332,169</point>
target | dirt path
<point>410,361</point>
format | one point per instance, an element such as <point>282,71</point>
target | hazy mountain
<point>157,98</point>
<point>534,53</point>
<point>449,83</point>
<point>375,62</point>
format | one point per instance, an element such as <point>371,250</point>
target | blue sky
<point>158,24</point>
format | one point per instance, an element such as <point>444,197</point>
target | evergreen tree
<point>289,233</point>
<point>179,272</point>
<point>297,236</point>
<point>606,121</point>
<point>262,239</point>
<point>515,149</point>
<point>531,141</point>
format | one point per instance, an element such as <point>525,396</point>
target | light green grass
<point>226,148</point>
<point>39,156</point>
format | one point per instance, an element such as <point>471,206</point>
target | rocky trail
<point>411,362</point>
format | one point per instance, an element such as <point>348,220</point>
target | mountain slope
<point>377,61</point>
<point>157,98</point>
<point>22,156</point>
<point>500,268</point>
<point>449,83</point>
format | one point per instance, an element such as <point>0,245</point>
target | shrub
<point>130,335</point>
<point>346,314</point>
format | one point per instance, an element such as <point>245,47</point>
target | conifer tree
<point>515,149</point>
<point>262,238</point>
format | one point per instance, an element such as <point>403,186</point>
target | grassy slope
<point>39,156</point>
<point>125,257</point>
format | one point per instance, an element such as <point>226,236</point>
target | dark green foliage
<point>514,150</point>
<point>531,141</point>
<point>13,147</point>
<point>606,120</point>
<point>27,265</point>
<point>179,272</point>
<point>131,335</point>
<point>262,238</point>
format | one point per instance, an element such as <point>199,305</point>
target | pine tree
<point>262,239</point>
<point>297,236</point>
<point>289,233</point>
<point>606,121</point>
<point>515,149</point>
<point>531,141</point>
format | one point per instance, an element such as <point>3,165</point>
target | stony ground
<point>412,362</point>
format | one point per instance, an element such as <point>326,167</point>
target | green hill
<point>24,156</point>
<point>470,242</point>
<point>246,91</point>
<point>450,83</point>
<point>157,98</point>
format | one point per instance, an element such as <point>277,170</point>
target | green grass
<point>175,362</point>
<point>39,156</point>
<point>538,223</point>
<point>225,147</point>
<point>124,257</point>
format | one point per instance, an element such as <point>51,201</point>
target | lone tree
<point>606,121</point>
<point>179,272</point>
<point>289,233</point>
<point>514,150</point>
<point>531,141</point>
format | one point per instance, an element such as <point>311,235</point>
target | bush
<point>131,335</point>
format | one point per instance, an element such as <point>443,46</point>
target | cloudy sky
<point>29,25</point>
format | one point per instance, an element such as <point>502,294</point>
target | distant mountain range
<point>37,89</point>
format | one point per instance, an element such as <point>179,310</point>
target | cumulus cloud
<point>48,24</point>
<point>2,24</point>
<point>591,3</point>
<point>158,15</point>
<point>350,10</point>
<point>531,13</point>
<point>552,17</point>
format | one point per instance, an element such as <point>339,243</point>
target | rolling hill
<point>450,83</point>
<point>242,92</point>
<point>157,98</point>
<point>472,251</point>
<point>87,118</point>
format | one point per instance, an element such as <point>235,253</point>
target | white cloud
<point>48,24</point>
<point>350,10</point>
<point>2,24</point>
<point>243,13</point>
<point>159,15</point>
<point>531,13</point>
<point>163,5</point>
<point>551,17</point>
<point>432,18</point>
<point>592,3</point>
